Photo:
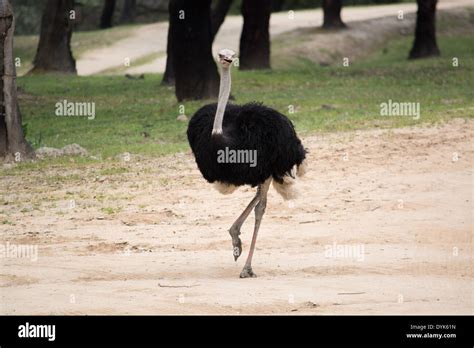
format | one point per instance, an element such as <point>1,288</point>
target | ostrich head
<point>226,57</point>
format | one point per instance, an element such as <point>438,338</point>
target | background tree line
<point>190,63</point>
<point>90,12</point>
<point>196,76</point>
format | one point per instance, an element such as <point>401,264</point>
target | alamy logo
<point>29,251</point>
<point>392,108</point>
<point>68,108</point>
<point>237,156</point>
<point>348,251</point>
<point>37,331</point>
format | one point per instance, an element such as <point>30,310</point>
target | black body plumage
<point>245,127</point>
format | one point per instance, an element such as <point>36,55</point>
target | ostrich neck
<point>224,92</point>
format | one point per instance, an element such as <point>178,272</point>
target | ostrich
<point>248,127</point>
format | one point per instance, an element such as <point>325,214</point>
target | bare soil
<point>149,236</point>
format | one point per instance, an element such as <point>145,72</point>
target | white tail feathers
<point>287,189</point>
<point>225,189</point>
<point>301,169</point>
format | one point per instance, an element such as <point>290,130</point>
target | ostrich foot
<point>247,273</point>
<point>237,244</point>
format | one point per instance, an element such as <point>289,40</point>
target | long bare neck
<point>224,92</point>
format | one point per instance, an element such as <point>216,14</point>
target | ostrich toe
<point>247,273</point>
<point>237,243</point>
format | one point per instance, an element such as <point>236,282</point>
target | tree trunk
<point>218,15</point>
<point>217,18</point>
<point>5,23</point>
<point>54,48</point>
<point>277,5</point>
<point>168,77</point>
<point>255,37</point>
<point>425,33</point>
<point>195,70</point>
<point>12,139</point>
<point>332,14</point>
<point>128,11</point>
<point>107,14</point>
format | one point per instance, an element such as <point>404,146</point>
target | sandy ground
<point>383,225</point>
<point>151,39</point>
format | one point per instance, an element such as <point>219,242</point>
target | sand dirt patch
<point>154,240</point>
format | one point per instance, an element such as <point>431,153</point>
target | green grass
<point>139,116</point>
<point>114,170</point>
<point>111,210</point>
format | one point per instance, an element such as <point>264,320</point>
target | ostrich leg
<point>235,228</point>
<point>259,211</point>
